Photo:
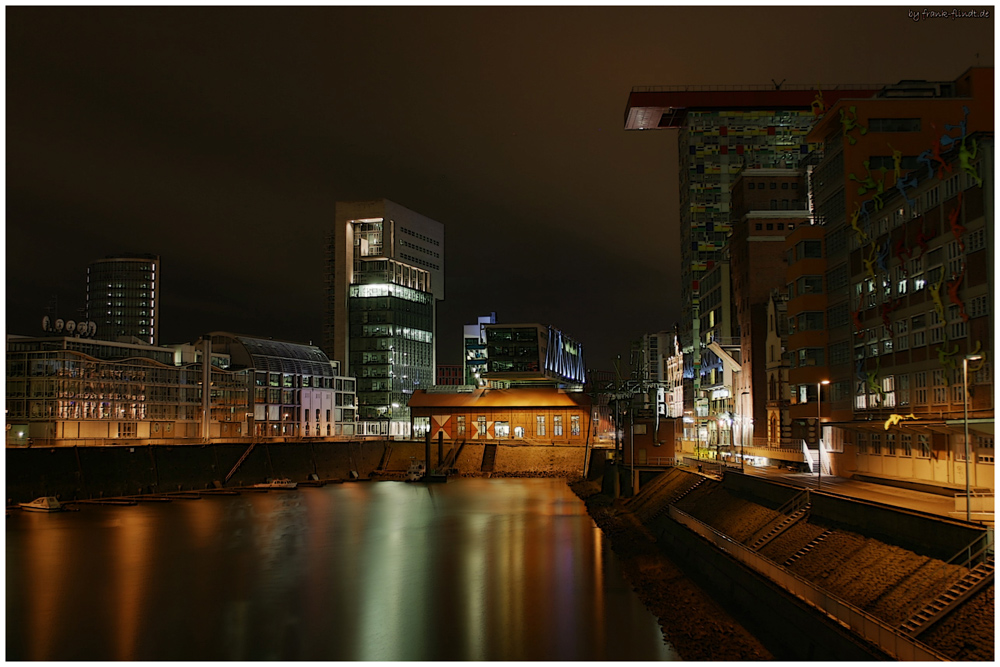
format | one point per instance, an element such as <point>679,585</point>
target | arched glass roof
<point>275,356</point>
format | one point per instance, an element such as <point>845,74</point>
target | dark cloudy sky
<point>221,138</point>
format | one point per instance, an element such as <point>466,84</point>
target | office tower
<point>385,274</point>
<point>722,130</point>
<point>122,298</point>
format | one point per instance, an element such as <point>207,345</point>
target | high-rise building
<point>122,298</point>
<point>474,348</point>
<point>385,274</point>
<point>722,130</point>
<point>767,205</point>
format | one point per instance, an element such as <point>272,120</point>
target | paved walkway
<point>889,495</point>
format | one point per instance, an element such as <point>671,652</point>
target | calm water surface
<point>475,569</point>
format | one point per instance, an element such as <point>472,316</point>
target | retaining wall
<point>929,534</point>
<point>91,472</point>
<point>788,627</point>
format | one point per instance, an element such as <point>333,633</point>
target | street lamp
<point>965,398</point>
<point>819,430</point>
<point>743,425</point>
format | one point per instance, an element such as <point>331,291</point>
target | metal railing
<point>660,461</point>
<point>755,86</point>
<point>872,629</point>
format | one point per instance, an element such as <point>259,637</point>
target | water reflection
<point>470,570</point>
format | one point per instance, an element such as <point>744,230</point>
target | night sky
<point>221,138</point>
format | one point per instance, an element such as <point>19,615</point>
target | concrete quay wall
<point>91,472</point>
<point>931,535</point>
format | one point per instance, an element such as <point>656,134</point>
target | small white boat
<point>416,472</point>
<point>282,483</point>
<point>44,504</point>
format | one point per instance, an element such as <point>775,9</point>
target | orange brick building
<point>542,415</point>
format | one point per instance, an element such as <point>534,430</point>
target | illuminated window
<point>557,425</point>
<point>540,425</point>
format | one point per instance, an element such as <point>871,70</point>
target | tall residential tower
<point>122,298</point>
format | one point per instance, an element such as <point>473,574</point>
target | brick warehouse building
<point>542,415</point>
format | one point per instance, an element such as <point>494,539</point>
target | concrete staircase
<point>489,458</point>
<point>959,591</point>
<point>665,507</point>
<point>809,547</point>
<point>240,462</point>
<point>780,526</point>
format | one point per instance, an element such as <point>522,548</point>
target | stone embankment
<point>76,473</point>
<point>692,622</point>
<point>886,581</point>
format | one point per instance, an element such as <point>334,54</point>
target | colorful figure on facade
<point>922,239</point>
<point>818,105</point>
<point>883,257</point>
<point>953,222</point>
<point>850,123</point>
<point>948,140</point>
<point>945,358</point>
<point>897,161</point>
<point>869,263</point>
<point>863,238</point>
<point>902,184</point>
<point>965,159</point>
<point>859,327</point>
<point>953,286</point>
<point>936,295</point>
<point>871,379</point>
<point>886,309</point>
<point>899,250</point>
<point>895,419</point>
<point>870,183</point>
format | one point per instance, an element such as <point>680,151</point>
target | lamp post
<point>743,425</point>
<point>965,400</point>
<point>819,430</point>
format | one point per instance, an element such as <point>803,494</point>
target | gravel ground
<point>727,513</point>
<point>692,622</point>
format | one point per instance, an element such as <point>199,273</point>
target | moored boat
<point>281,483</point>
<point>43,504</point>
<point>416,472</point>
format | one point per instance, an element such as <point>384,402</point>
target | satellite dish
<point>70,326</point>
<point>91,328</point>
<point>59,324</point>
<point>46,323</point>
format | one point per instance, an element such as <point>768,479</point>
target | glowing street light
<point>965,398</point>
<point>819,430</point>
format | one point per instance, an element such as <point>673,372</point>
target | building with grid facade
<point>122,298</point>
<point>385,274</point>
<point>721,131</point>
<point>901,285</point>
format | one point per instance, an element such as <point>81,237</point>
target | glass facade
<point>392,348</point>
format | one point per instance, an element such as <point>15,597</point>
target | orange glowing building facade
<point>891,291</point>
<point>539,415</point>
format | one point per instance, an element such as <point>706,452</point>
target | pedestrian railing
<point>874,630</point>
<point>664,461</point>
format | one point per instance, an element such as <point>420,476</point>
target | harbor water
<point>475,569</point>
